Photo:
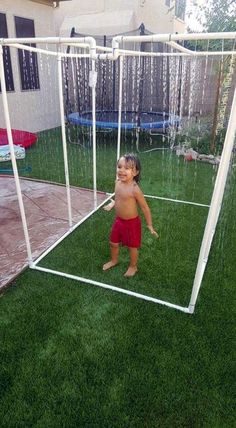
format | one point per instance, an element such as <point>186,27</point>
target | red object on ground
<point>188,157</point>
<point>20,138</point>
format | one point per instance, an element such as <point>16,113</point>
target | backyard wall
<point>31,110</point>
<point>37,109</point>
<point>102,17</point>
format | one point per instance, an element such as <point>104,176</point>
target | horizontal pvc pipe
<point>125,52</point>
<point>173,54</point>
<point>118,39</point>
<point>113,288</point>
<point>177,200</point>
<point>77,45</point>
<point>90,41</point>
<point>113,52</point>
<point>48,52</point>
<point>180,48</point>
<point>119,52</point>
<point>175,37</point>
<point>182,52</point>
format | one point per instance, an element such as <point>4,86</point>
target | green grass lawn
<point>164,174</point>
<point>74,355</point>
<point>166,268</point>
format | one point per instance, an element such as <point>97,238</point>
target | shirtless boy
<point>126,229</point>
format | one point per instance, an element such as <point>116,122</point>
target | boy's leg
<point>114,249</point>
<point>132,269</point>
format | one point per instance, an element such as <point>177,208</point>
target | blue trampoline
<point>129,119</point>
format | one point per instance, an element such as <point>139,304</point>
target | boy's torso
<point>125,202</point>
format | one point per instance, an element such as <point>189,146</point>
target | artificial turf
<point>74,355</point>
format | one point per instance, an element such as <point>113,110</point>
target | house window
<point>6,55</point>
<point>180,6</point>
<point>28,60</point>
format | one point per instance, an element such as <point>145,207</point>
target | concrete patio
<point>47,220</point>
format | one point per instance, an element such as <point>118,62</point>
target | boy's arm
<point>109,206</point>
<point>145,209</point>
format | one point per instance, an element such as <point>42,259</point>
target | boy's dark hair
<point>134,160</point>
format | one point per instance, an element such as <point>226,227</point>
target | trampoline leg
<point>69,137</point>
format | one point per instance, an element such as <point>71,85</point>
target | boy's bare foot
<point>131,271</point>
<point>109,265</point>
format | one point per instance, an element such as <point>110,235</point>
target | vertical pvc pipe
<point>120,105</point>
<point>215,207</point>
<point>13,159</point>
<point>93,82</point>
<point>63,133</point>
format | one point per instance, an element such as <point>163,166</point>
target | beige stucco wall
<point>179,26</point>
<point>156,16</point>
<point>39,110</point>
<point>32,110</point>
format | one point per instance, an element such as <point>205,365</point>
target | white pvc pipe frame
<point>217,197</point>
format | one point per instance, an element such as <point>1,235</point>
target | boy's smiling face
<point>126,171</point>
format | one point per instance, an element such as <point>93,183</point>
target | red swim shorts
<point>126,232</point>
